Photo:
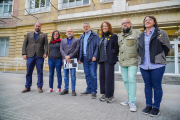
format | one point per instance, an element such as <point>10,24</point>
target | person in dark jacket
<point>107,58</point>
<point>153,47</point>
<point>55,61</point>
<point>35,50</point>
<point>88,53</point>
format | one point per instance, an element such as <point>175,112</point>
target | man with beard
<point>129,60</point>
<point>35,50</point>
<point>69,49</point>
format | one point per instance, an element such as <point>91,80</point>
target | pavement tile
<point>15,105</point>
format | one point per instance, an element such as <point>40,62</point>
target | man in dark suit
<point>69,49</point>
<point>34,50</point>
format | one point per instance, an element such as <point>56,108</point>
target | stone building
<point>62,14</point>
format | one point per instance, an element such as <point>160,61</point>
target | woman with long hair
<point>55,61</point>
<point>107,58</point>
<point>153,47</point>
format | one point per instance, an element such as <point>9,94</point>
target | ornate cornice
<point>124,14</point>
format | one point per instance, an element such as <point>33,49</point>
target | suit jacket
<point>111,48</point>
<point>71,50</point>
<point>31,47</point>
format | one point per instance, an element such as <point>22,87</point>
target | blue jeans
<point>66,78</point>
<point>152,80</point>
<point>55,63</point>
<point>90,71</point>
<point>30,63</point>
<point>129,78</point>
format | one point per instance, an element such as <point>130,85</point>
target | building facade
<point>62,14</point>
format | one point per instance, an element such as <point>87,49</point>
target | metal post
<point>5,66</point>
<point>17,66</point>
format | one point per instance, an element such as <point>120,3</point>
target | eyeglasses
<point>104,26</point>
<point>148,20</point>
<point>38,26</point>
<point>125,23</point>
<point>55,34</point>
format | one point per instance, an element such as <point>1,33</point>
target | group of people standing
<point>147,49</point>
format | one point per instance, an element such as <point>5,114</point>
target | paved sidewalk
<point>170,80</point>
<point>15,105</point>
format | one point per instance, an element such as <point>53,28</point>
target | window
<point>4,46</point>
<point>74,3</point>
<point>5,8</point>
<point>38,6</point>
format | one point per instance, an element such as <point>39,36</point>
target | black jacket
<point>111,48</point>
<point>159,47</point>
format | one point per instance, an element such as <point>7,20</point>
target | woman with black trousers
<point>107,58</point>
<point>153,47</point>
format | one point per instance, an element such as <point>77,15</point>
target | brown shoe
<point>40,89</point>
<point>63,92</point>
<point>73,93</point>
<point>25,90</point>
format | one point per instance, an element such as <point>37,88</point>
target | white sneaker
<point>125,103</point>
<point>58,90</point>
<point>50,90</point>
<point>132,107</point>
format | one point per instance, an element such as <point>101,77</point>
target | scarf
<point>56,41</point>
<point>105,34</point>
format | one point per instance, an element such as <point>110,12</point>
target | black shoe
<point>73,93</point>
<point>147,110</point>
<point>154,112</point>
<point>103,98</point>
<point>93,95</point>
<point>63,92</point>
<point>85,93</point>
<point>110,100</point>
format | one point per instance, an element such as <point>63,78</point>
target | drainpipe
<point>94,4</point>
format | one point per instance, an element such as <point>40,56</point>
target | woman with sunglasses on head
<point>55,61</point>
<point>107,58</point>
<point>153,47</point>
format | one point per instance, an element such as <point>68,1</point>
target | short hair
<point>69,28</point>
<point>36,23</point>
<point>110,29</point>
<point>152,17</point>
<point>86,23</point>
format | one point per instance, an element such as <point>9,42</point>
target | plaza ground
<point>15,105</point>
